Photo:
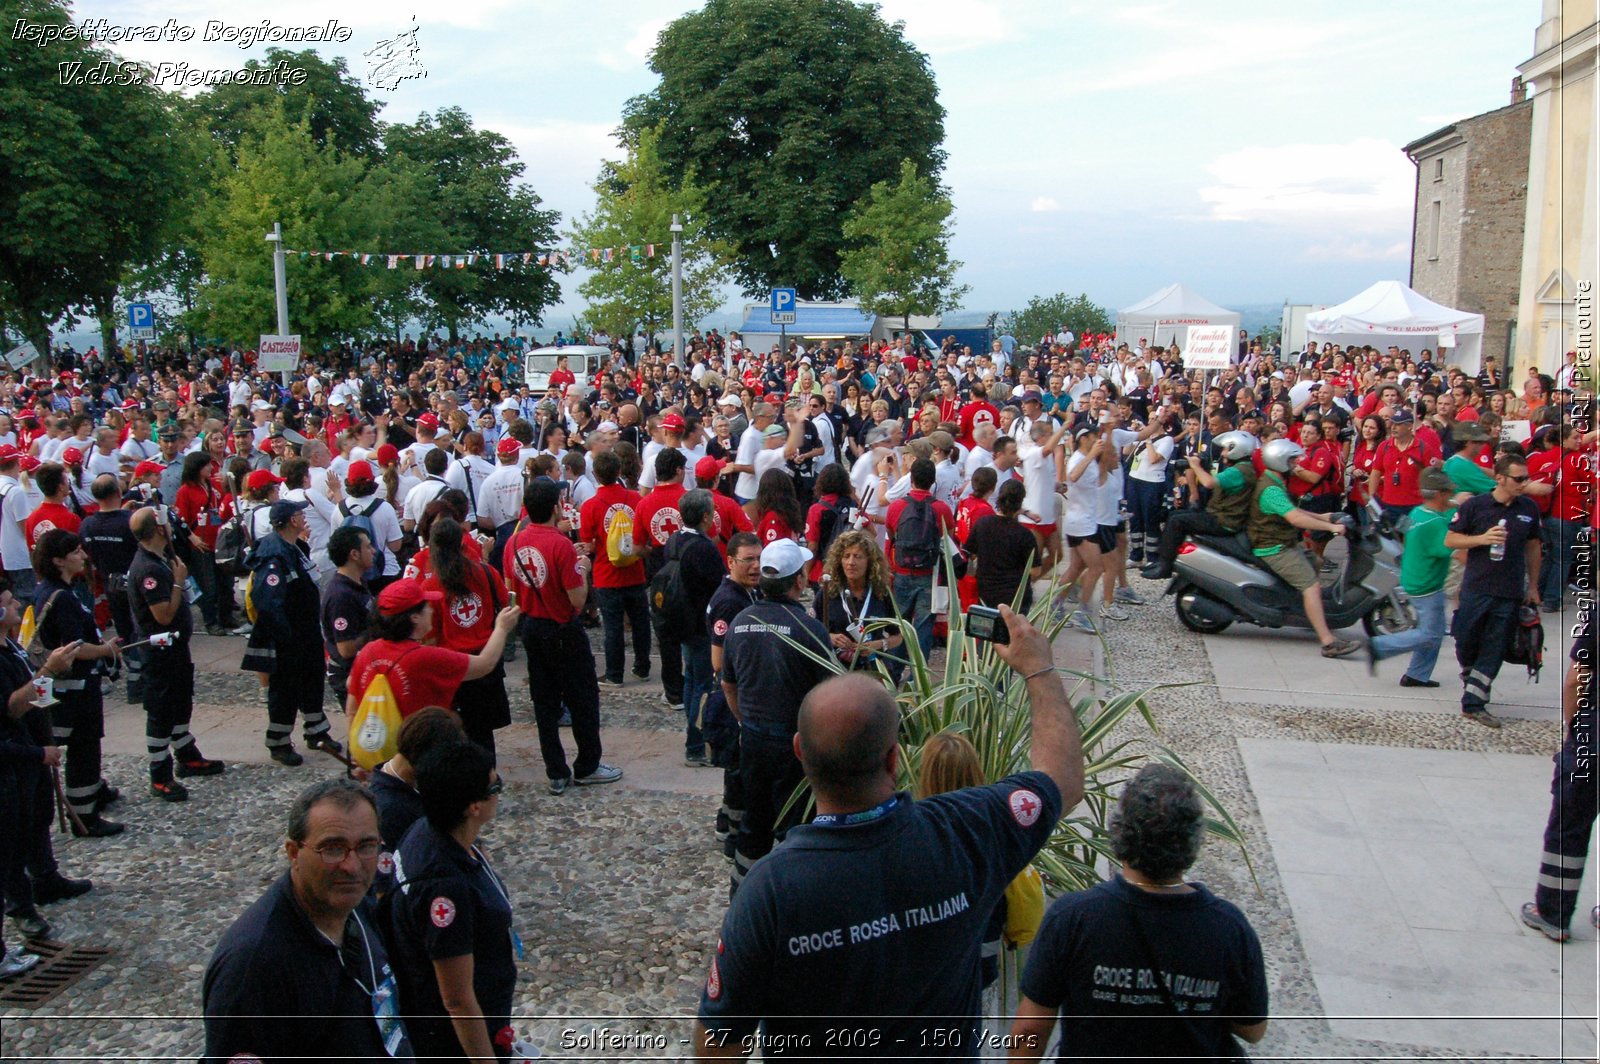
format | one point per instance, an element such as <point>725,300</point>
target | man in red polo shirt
<point>550,579</point>
<point>1316,482</point>
<point>561,376</point>
<point>1399,462</point>
<point>976,412</point>
<point>657,519</point>
<point>917,526</point>
<point>618,585</point>
<point>51,480</point>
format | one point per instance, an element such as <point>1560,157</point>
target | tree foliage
<point>634,206</point>
<point>89,177</point>
<point>789,111</point>
<point>336,107</point>
<point>900,263</point>
<point>478,200</point>
<point>1045,314</point>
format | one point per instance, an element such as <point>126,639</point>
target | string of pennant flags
<point>631,253</point>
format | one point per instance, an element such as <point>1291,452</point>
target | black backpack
<point>234,539</point>
<point>362,519</point>
<point>834,520</point>
<point>916,535</point>
<point>668,597</point>
<point>1526,645</point>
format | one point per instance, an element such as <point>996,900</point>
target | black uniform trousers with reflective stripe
<point>33,856</point>
<point>770,773</point>
<point>295,686</point>
<point>1575,798</point>
<point>78,723</point>
<point>1482,630</point>
<point>168,706</point>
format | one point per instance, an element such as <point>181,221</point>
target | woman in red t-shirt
<point>776,508</point>
<point>421,676</point>
<point>1362,456</point>
<point>205,510</point>
<point>473,594</point>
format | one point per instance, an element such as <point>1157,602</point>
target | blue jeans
<point>913,597</point>
<point>1564,543</point>
<point>614,603</point>
<point>1423,641</point>
<point>696,687</point>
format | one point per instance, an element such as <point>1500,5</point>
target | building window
<point>1434,210</point>
<point>1438,168</point>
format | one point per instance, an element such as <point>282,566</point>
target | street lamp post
<point>677,292</point>
<point>280,284</point>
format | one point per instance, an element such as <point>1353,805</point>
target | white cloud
<point>634,53</point>
<point>944,26</point>
<point>1346,249</point>
<point>1044,205</point>
<point>1365,185</point>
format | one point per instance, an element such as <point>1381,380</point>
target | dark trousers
<point>295,686</point>
<point>561,670</point>
<point>484,706</point>
<point>668,639</point>
<point>1180,526</point>
<point>1575,797</point>
<point>615,604</point>
<point>1146,505</point>
<point>10,835</point>
<point>1567,545</point>
<point>216,590</point>
<point>33,857</point>
<point>696,686</point>
<point>78,723</point>
<point>770,772</point>
<point>122,621</point>
<point>1482,629</point>
<point>168,706</point>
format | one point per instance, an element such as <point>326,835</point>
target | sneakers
<point>96,827</point>
<point>606,681</point>
<point>15,962</point>
<point>198,766</point>
<point>1072,593</point>
<point>325,742</point>
<point>244,629</point>
<point>1340,648</point>
<point>699,760</point>
<point>57,887</point>
<point>603,773</point>
<point>261,695</point>
<point>286,755</point>
<point>31,924</point>
<point>1534,919</point>
<point>1128,595</point>
<point>559,786</point>
<point>1484,717</point>
<point>169,791</point>
<point>1082,622</point>
<point>1113,612</point>
<point>670,703</point>
<point>642,671</point>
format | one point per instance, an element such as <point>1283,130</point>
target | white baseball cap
<point>783,557</point>
<point>336,399</point>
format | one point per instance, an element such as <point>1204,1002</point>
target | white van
<point>583,361</point>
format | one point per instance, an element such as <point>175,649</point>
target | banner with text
<point>278,354</point>
<point>1208,347</point>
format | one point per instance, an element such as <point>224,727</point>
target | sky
<point>1250,149</point>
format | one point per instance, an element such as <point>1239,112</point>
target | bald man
<point>873,913</point>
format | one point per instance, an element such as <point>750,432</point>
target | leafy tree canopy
<point>789,111</point>
<point>335,105</point>
<point>1044,314</point>
<point>900,264</point>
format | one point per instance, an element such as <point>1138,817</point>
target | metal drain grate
<point>60,965</point>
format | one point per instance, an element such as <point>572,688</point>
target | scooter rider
<point>1275,527</point>
<point>1232,489</point>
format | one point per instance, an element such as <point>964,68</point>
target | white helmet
<point>1280,454</point>
<point>1235,446</point>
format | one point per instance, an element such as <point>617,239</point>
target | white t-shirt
<point>384,523</point>
<point>14,509</point>
<point>750,443</point>
<point>95,463</point>
<point>418,498</point>
<point>322,517</point>
<point>977,458</point>
<point>500,496</point>
<point>136,451</point>
<point>1083,498</point>
<point>769,458</point>
<point>1038,481</point>
<point>466,474</point>
<point>1150,461</point>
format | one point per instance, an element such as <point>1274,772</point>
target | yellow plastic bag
<point>1024,908</point>
<point>375,729</point>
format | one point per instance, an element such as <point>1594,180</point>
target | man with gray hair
<point>699,573</point>
<point>1126,952</point>
<point>305,966</point>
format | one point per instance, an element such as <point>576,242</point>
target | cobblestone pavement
<point>620,890</point>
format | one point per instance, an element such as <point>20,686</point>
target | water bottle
<point>1497,551</point>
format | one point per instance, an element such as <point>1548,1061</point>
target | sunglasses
<point>1517,480</point>
<point>495,788</point>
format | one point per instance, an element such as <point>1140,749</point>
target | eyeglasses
<point>495,788</point>
<point>1517,480</point>
<point>333,853</point>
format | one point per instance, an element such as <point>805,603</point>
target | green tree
<point>1044,313</point>
<point>283,175</point>
<point>634,207</point>
<point>88,174</point>
<point>482,206</point>
<point>399,194</point>
<point>789,111</point>
<point>900,263</point>
<point>335,105</point>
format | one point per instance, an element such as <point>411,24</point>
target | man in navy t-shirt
<point>859,936</point>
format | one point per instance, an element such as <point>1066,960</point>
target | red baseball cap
<point>403,595</point>
<point>508,445</point>
<point>30,463</point>
<point>258,479</point>
<point>388,453</point>
<point>708,469</point>
<point>9,453</point>
<point>72,456</point>
<point>145,469</point>
<point>672,423</point>
<point>428,421</point>
<point>359,471</point>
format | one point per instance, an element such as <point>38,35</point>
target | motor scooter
<point>1217,580</point>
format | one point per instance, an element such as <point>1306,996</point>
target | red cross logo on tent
<point>1025,807</point>
<point>442,912</point>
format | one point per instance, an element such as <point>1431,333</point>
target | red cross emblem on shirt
<point>442,912</point>
<point>1025,807</point>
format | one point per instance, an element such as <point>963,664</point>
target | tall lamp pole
<point>280,284</point>
<point>677,292</point>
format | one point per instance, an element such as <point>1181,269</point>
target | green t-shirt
<point>1467,475</point>
<point>1426,561</point>
<point>1230,480</point>
<point>1274,500</point>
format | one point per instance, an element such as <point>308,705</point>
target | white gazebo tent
<point>1164,318</point>
<point>1389,313</point>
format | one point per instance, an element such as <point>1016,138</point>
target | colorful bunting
<point>632,253</point>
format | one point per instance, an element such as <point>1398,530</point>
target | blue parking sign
<point>783,300</point>
<point>142,321</point>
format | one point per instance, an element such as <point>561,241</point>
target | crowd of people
<point>750,523</point>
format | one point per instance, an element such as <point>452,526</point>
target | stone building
<point>1559,247</point>
<point>1466,241</point>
